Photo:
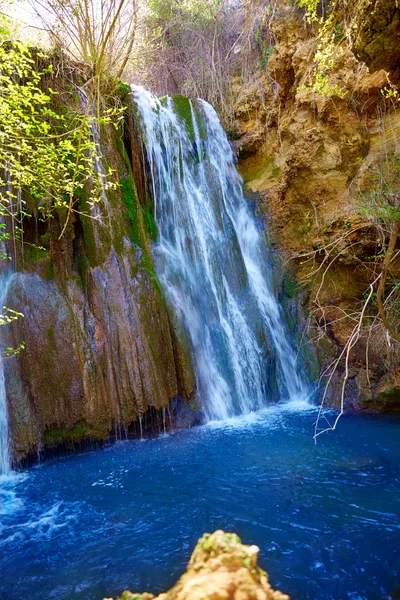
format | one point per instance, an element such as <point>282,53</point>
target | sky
<point>26,20</point>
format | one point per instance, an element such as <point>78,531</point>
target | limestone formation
<point>309,158</point>
<point>220,568</point>
<point>100,351</point>
<point>376,40</point>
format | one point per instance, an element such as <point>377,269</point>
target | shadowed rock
<point>376,41</point>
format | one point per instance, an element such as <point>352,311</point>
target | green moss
<point>47,270</point>
<point>130,202</point>
<point>389,400</point>
<point>59,434</point>
<point>276,171</point>
<point>45,240</point>
<point>291,287</point>
<point>215,544</point>
<point>54,435</point>
<point>51,334</point>
<point>199,121</point>
<point>89,240</point>
<point>148,267</point>
<point>149,224</point>
<point>133,218</point>
<point>79,431</point>
<point>37,258</point>
<point>33,253</point>
<point>120,149</point>
<point>82,265</point>
<point>183,110</point>
<point>257,168</point>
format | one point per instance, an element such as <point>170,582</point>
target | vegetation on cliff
<point>318,139</point>
<point>316,133</point>
<point>74,226</point>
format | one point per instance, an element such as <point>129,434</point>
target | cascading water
<point>212,260</point>
<point>5,276</point>
<point>4,441</point>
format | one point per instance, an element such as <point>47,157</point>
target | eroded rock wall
<point>309,157</point>
<point>100,351</point>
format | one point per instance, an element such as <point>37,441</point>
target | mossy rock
<point>149,224</point>
<point>388,400</point>
<point>134,596</point>
<point>291,287</point>
<point>59,434</point>
<point>215,544</point>
<point>183,110</point>
<point>89,241</point>
<point>32,254</point>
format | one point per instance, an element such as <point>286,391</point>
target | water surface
<point>326,517</point>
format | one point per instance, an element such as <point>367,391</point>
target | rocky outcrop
<point>220,568</point>
<point>312,156</point>
<point>376,40</point>
<point>101,354</point>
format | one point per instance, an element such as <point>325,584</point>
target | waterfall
<point>4,441</point>
<point>5,276</point>
<point>212,261</point>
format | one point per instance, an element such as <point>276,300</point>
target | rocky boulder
<point>220,568</point>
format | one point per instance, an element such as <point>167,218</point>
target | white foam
<point>42,525</point>
<point>212,261</point>
<point>10,502</point>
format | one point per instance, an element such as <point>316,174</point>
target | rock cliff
<point>316,131</point>
<point>100,352</point>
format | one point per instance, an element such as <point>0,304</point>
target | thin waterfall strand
<point>4,433</point>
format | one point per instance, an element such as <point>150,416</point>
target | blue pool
<point>326,516</point>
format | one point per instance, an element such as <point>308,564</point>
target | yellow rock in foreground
<point>221,568</point>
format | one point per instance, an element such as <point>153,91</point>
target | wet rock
<point>94,359</point>
<point>185,415</point>
<point>220,568</point>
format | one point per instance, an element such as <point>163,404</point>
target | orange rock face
<point>220,568</point>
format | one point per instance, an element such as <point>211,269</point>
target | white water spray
<point>212,260</point>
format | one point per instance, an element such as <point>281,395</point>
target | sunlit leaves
<point>40,155</point>
<point>9,316</point>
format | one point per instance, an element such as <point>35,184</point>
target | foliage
<point>35,155</point>
<point>100,33</point>
<point>45,156</point>
<point>196,47</point>
<point>378,313</point>
<point>390,92</point>
<point>328,53</point>
<point>182,48</point>
<point>311,9</point>
<point>9,316</point>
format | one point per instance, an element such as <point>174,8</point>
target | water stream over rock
<point>212,260</point>
<point>4,442</point>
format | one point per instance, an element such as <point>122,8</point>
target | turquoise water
<point>326,516</point>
